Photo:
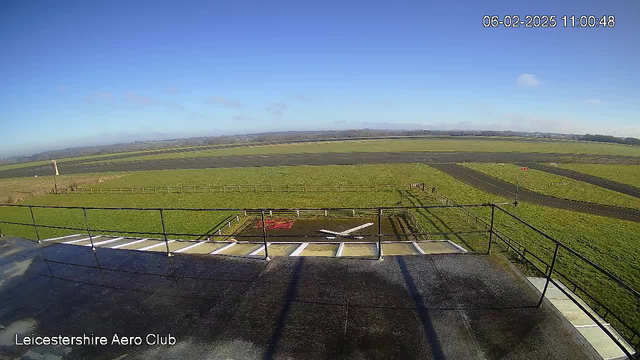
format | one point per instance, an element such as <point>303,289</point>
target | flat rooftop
<point>445,306</point>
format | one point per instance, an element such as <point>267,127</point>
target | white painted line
<point>340,248</point>
<point>223,248</point>
<point>257,251</point>
<point>106,241</point>
<point>130,243</point>
<point>590,325</point>
<point>299,249</point>
<point>156,245</point>
<point>61,237</point>
<point>457,246</point>
<point>190,247</point>
<point>418,248</point>
<point>79,240</point>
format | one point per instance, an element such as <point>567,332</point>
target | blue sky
<point>97,72</point>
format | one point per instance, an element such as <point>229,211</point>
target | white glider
<point>346,233</point>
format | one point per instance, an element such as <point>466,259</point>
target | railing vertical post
<point>546,285</point>
<point>264,236</point>
<point>379,234</point>
<point>164,232</point>
<point>86,224</point>
<point>493,212</point>
<point>35,227</point>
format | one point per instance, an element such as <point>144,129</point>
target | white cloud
<point>276,108</point>
<point>218,100</point>
<point>527,80</point>
<point>593,101</point>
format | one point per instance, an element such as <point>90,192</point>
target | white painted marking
<point>78,240</point>
<point>340,248</point>
<point>346,232</point>
<point>457,246</point>
<point>418,248</point>
<point>299,249</point>
<point>61,237</point>
<point>590,325</point>
<point>106,241</point>
<point>130,243</point>
<point>223,248</point>
<point>190,247</point>
<point>162,243</point>
<point>329,232</point>
<point>257,251</point>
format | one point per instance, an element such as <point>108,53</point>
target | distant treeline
<point>610,139</point>
<point>294,136</point>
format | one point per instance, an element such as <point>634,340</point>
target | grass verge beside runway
<point>438,145</point>
<point>556,185</point>
<point>626,174</point>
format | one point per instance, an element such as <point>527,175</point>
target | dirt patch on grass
<point>19,189</point>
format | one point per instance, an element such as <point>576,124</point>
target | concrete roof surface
<point>449,306</point>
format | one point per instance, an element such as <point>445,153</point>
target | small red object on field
<point>276,224</point>
<point>524,168</point>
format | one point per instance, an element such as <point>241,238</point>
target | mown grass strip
<point>556,185</point>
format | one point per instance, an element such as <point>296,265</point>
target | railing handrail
<point>246,209</point>
<point>580,256</point>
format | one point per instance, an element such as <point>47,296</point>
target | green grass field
<point>91,157</point>
<point>611,243</point>
<point>436,144</point>
<point>626,174</point>
<point>556,185</point>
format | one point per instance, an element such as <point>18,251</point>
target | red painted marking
<point>276,224</point>
<point>524,168</point>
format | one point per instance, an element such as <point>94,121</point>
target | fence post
<point>553,263</point>
<point>493,210</point>
<point>379,234</point>
<point>164,232</point>
<point>35,227</point>
<point>264,237</point>
<point>86,224</point>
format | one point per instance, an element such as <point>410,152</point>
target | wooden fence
<point>200,189</point>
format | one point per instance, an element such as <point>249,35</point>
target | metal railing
<point>550,269</point>
<point>489,227</point>
<point>378,211</point>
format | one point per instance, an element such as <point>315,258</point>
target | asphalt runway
<point>315,159</point>
<point>595,180</point>
<point>496,186</point>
